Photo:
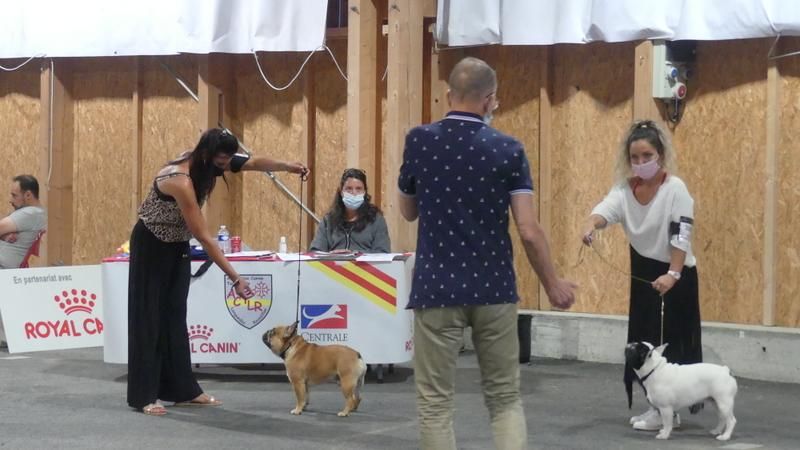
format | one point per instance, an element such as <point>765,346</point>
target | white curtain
<point>545,22</point>
<point>58,28</point>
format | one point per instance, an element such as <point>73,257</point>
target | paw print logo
<point>200,332</point>
<point>76,300</point>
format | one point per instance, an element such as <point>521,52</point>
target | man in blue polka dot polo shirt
<point>459,177</point>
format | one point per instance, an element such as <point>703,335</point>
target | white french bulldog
<point>673,386</point>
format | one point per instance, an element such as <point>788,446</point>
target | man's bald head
<point>472,80</point>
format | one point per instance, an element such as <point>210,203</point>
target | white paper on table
<point>289,257</point>
<point>377,257</point>
<point>252,253</point>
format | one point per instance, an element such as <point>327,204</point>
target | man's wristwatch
<point>674,274</point>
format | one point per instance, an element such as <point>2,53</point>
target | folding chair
<point>32,250</point>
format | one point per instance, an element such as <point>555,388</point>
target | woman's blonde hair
<point>656,136</point>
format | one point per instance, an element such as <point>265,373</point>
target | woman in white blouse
<point>657,213</point>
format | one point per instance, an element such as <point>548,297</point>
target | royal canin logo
<point>200,332</point>
<point>75,301</point>
<point>70,302</point>
<point>200,337</point>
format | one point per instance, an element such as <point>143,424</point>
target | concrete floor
<point>71,399</point>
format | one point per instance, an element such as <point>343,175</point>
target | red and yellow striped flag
<point>363,278</point>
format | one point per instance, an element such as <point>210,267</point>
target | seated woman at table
<point>353,222</point>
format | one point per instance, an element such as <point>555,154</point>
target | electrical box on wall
<point>671,69</point>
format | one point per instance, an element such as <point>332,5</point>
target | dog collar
<point>642,379</point>
<point>282,354</point>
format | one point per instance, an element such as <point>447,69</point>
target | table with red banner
<point>352,302</point>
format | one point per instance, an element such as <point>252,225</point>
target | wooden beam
<point>229,112</point>
<point>219,208</point>
<point>404,106</point>
<point>56,175</point>
<point>428,48</point>
<point>336,34</point>
<point>441,64</point>
<point>362,79</point>
<point>310,144</point>
<point>644,105</point>
<point>770,260</point>
<point>545,191</point>
<point>382,61</point>
<point>429,8</point>
<point>136,142</point>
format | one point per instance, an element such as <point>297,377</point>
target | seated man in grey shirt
<point>19,229</point>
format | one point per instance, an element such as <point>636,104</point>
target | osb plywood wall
<point>720,145</point>
<point>19,124</point>
<point>330,91</point>
<point>101,163</point>
<point>592,107</point>
<point>787,312</point>
<point>273,124</point>
<point>169,113</point>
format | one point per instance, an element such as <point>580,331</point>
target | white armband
<point>681,233</point>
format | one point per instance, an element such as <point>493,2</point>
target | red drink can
<point>236,244</point>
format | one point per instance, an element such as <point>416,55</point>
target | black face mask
<point>218,172</point>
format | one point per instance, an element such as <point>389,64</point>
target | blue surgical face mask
<point>352,201</point>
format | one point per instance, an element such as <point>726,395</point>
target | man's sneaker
<point>653,423</point>
<point>644,415</point>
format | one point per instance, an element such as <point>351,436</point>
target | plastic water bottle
<point>282,245</point>
<point>224,239</point>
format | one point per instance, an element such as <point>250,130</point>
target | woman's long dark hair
<point>366,213</point>
<point>202,171</point>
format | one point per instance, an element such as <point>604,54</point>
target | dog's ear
<point>630,353</point>
<point>635,354</point>
<point>660,349</point>
<point>290,331</point>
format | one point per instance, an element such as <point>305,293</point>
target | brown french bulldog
<point>308,363</point>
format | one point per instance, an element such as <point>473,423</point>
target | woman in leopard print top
<point>159,363</point>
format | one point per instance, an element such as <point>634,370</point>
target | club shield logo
<point>250,312</point>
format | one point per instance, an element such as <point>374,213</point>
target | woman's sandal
<point>201,400</point>
<point>154,409</point>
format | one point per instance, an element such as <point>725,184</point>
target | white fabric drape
<point>545,22</point>
<point>80,28</point>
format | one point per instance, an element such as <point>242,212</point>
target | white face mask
<point>352,201</point>
<point>647,170</point>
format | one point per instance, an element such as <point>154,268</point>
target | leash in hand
<point>634,277</point>
<point>608,263</point>
<point>303,179</point>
